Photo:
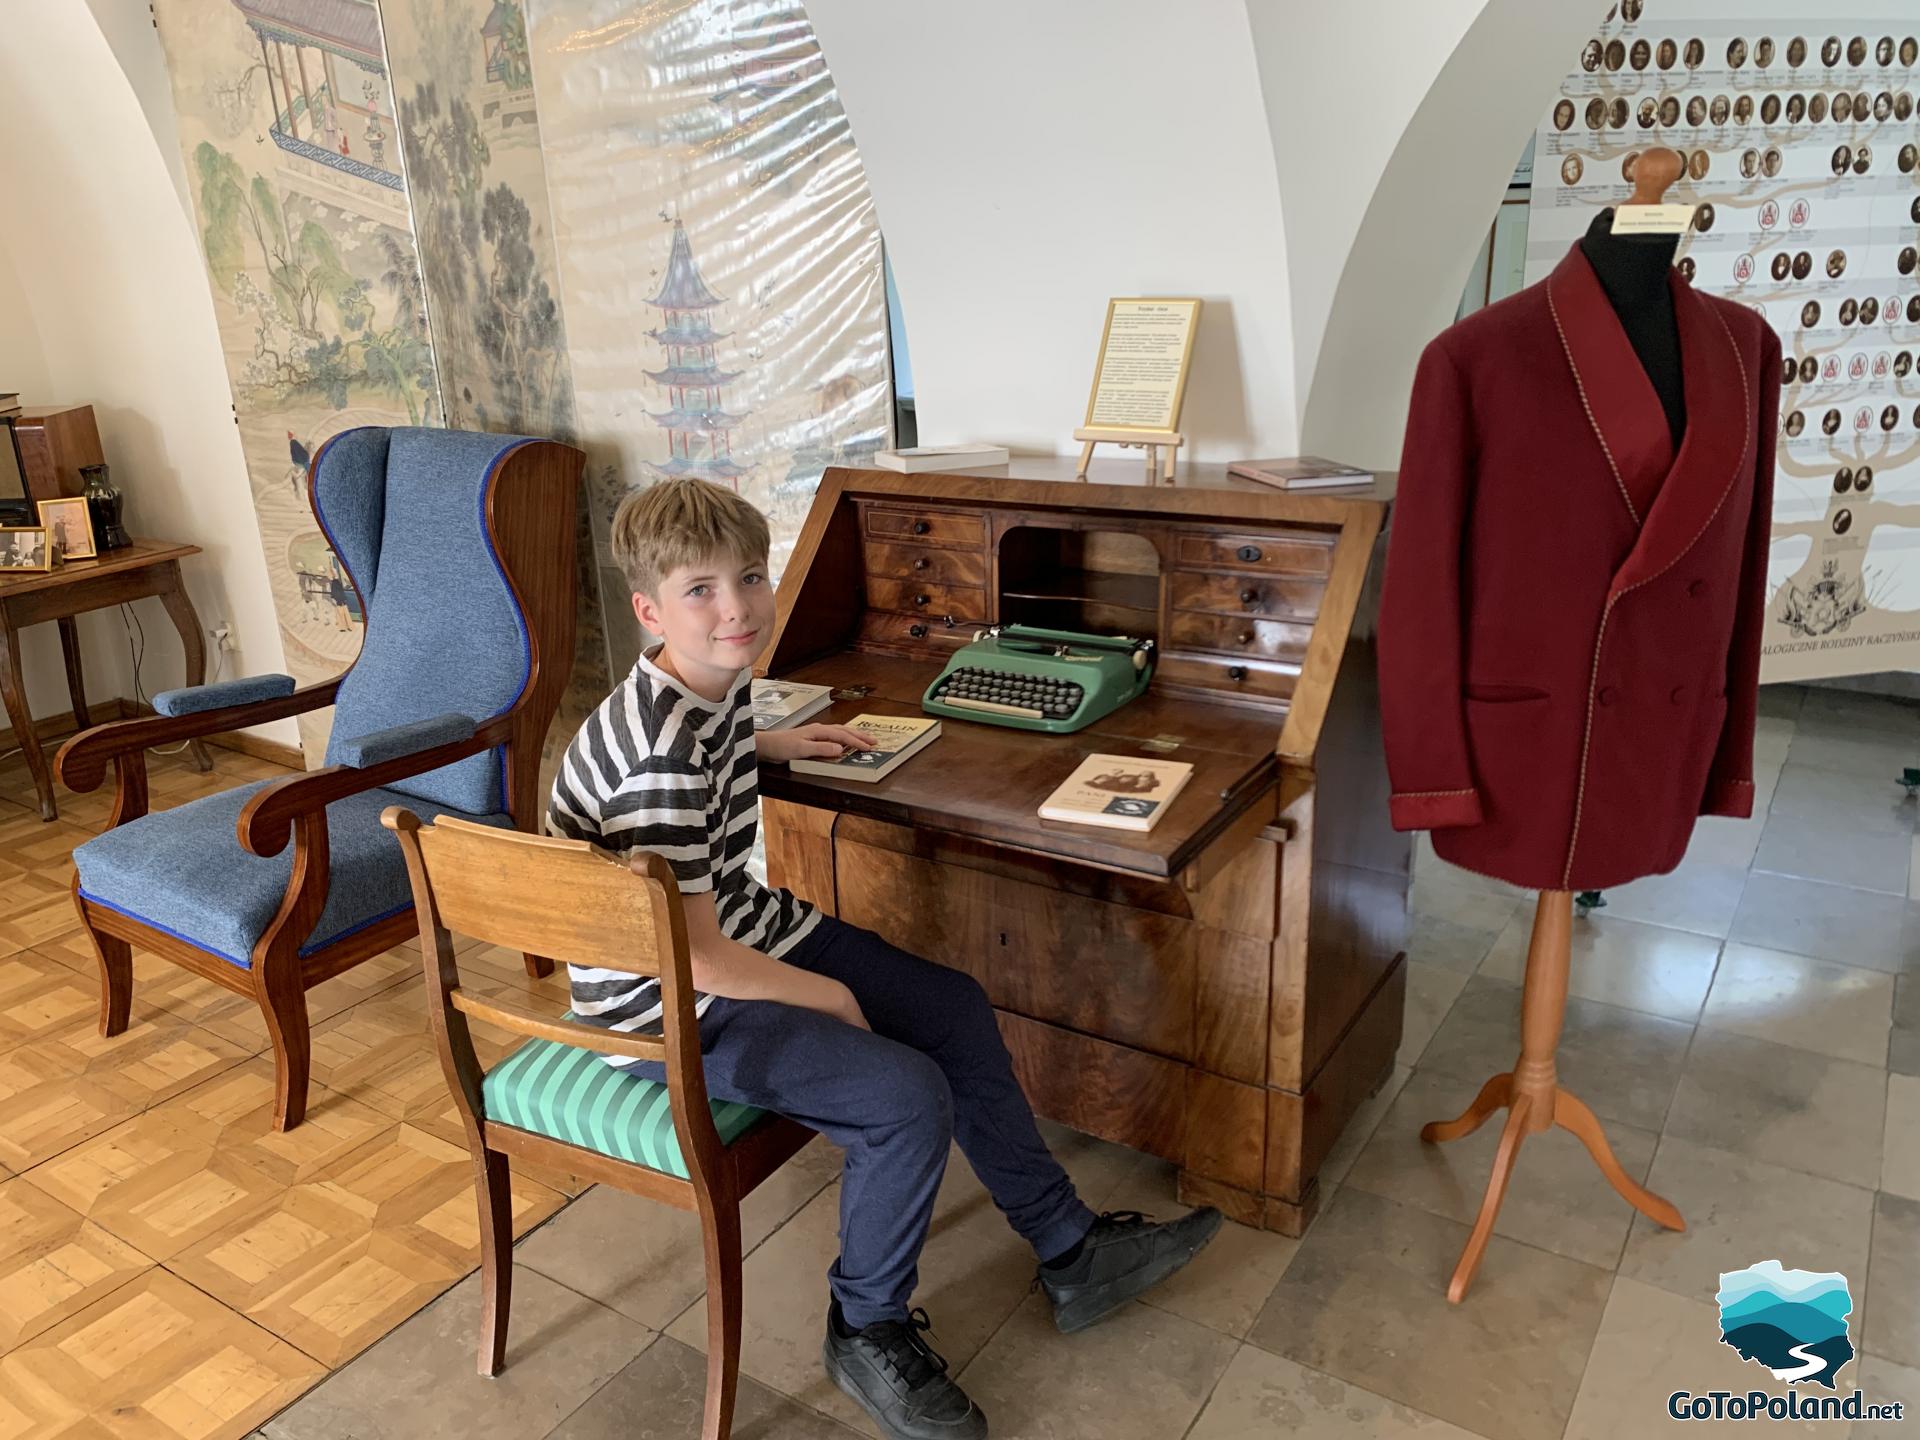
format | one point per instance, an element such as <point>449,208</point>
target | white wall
<point>1339,83</point>
<point>23,361</point>
<point>116,289</point>
<point>130,34</point>
<point>1030,161</point>
<point>1433,196</point>
<point>1321,174</point>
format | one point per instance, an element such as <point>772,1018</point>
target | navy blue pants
<point>933,1070</point>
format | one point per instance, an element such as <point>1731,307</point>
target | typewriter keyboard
<point>1007,692</point>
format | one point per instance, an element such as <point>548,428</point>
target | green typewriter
<point>1036,679</point>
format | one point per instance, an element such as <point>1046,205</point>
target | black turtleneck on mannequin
<point>1633,271</point>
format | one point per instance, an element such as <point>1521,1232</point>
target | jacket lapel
<point>1626,413</point>
<point>1671,497</point>
<point>1716,451</point>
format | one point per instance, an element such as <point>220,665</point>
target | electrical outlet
<point>222,635</point>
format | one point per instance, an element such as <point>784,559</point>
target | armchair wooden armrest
<point>82,761</point>
<point>267,822</point>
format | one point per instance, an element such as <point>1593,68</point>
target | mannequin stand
<point>1532,1095</point>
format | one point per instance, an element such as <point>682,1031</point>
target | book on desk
<point>1222,989</point>
<point>781,704</point>
<point>1118,791</point>
<point>896,740</point>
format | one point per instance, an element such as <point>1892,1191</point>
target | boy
<point>889,1056</point>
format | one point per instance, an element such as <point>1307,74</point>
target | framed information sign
<point>1140,377</point>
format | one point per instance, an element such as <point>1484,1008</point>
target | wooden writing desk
<point>1223,991</point>
<point>146,567</point>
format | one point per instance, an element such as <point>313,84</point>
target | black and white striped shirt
<point>656,768</point>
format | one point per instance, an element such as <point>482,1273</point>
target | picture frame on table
<point>69,527</point>
<point>25,547</point>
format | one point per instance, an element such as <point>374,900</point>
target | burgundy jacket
<point>1570,630</point>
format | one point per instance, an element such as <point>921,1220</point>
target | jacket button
<point>1608,694</point>
<point>1696,588</point>
<point>1679,694</point>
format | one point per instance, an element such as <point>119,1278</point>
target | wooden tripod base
<point>1532,1094</point>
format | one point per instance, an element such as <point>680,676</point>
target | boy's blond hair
<point>683,522</point>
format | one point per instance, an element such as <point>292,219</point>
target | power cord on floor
<point>131,621</point>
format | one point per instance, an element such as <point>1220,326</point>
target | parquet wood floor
<point>155,1358</point>
<point>171,1177</point>
<point>333,1264</point>
<point>71,1085</point>
<point>57,1263</point>
<point>171,1267</point>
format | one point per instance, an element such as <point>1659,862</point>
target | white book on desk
<point>779,704</point>
<point>1120,792</point>
<point>941,457</point>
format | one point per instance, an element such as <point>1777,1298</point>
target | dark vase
<point>103,505</point>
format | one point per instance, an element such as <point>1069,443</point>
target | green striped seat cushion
<point>570,1094</point>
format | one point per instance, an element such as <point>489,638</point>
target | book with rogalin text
<point>897,739</point>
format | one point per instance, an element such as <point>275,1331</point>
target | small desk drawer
<point>910,597</point>
<point>1262,553</point>
<point>923,562</point>
<point>1265,679</point>
<point>934,526</point>
<point>1245,594</point>
<point>1230,635</point>
<point>914,634</point>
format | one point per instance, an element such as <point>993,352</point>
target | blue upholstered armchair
<point>461,549</point>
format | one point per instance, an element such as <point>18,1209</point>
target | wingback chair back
<point>406,512</point>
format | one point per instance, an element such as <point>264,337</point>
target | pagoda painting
<point>699,427</point>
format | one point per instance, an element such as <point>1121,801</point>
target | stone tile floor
<point>1748,1028</point>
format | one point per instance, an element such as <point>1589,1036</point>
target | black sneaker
<point>1125,1254</point>
<point>896,1377</point>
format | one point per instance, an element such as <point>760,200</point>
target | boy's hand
<point>809,742</point>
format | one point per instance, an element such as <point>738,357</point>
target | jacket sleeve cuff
<point>1731,798</point>
<point>1434,809</point>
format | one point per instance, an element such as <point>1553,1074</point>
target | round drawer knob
<point>918,632</point>
<point>1245,637</point>
<point>923,599</point>
<point>922,563</point>
<point>921,527</point>
<point>1249,553</point>
<point>1236,672</point>
<point>1249,595</point>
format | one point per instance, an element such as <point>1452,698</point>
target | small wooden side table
<point>27,597</point>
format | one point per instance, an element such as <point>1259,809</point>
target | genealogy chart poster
<point>1799,136</point>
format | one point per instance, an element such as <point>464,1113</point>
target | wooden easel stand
<point>1152,441</point>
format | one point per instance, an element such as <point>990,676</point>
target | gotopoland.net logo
<point>1793,1323</point>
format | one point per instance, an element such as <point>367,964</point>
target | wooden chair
<point>460,549</point>
<point>553,1101</point>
